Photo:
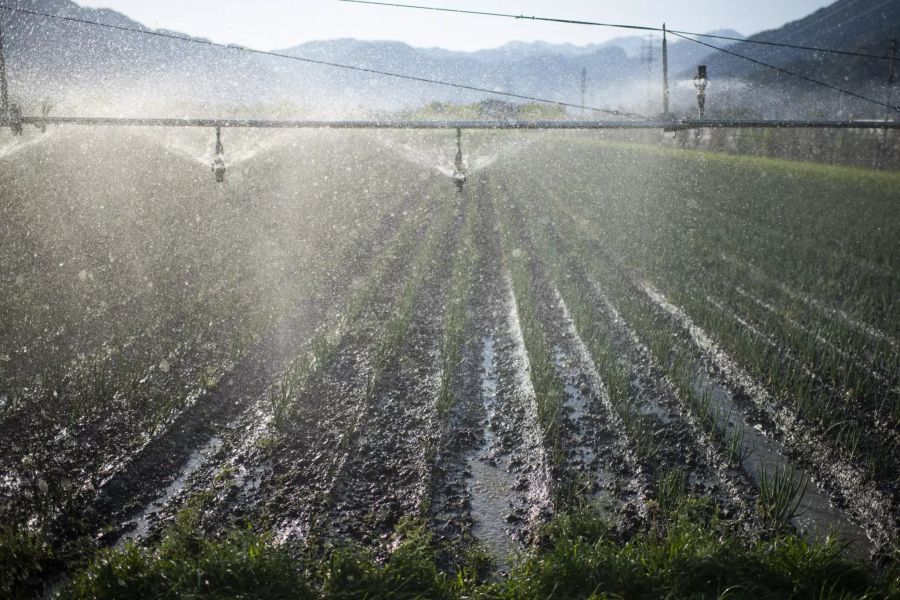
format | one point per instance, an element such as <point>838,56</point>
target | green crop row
<point>842,420</point>
<point>457,311</point>
<point>306,371</point>
<point>549,388</point>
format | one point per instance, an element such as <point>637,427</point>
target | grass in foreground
<point>683,551</point>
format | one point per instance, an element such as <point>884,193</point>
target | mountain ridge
<point>78,64</point>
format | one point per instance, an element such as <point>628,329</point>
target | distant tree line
<point>870,148</point>
<point>489,109</point>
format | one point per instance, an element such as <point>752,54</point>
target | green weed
<point>781,493</point>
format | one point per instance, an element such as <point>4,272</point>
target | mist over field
<point>88,70</point>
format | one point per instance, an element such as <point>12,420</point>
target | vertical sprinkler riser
<point>459,171</point>
<point>218,165</point>
<point>700,83</point>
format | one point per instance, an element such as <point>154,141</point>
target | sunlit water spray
<point>479,152</point>
<point>14,145</point>
<point>199,146</point>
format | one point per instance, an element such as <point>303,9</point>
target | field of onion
<point>601,367</point>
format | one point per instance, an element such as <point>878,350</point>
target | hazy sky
<point>275,24</point>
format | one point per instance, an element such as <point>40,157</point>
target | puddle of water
<point>648,408</point>
<point>145,519</point>
<point>817,518</point>
<point>575,400</point>
<point>249,480</point>
<point>531,437</point>
<point>491,484</point>
<point>292,530</point>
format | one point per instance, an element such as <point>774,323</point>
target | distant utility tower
<point>4,93</point>
<point>892,74</point>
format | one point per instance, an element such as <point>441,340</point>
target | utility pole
<point>665,69</point>
<point>892,75</point>
<point>583,90</point>
<point>891,113</point>
<point>4,92</point>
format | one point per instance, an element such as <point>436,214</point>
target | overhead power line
<point>791,73</point>
<point>678,33</point>
<point>620,26</point>
<point>356,68</point>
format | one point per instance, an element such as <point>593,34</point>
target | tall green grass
<point>685,551</point>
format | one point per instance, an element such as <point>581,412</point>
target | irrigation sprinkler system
<point>16,122</point>
<point>459,169</point>
<point>11,116</point>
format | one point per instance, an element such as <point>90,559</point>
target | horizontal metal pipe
<point>780,124</point>
<point>346,124</point>
<point>667,125</point>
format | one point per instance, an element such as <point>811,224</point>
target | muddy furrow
<point>515,423</point>
<point>492,480</point>
<point>677,440</point>
<point>81,467</point>
<point>161,461</point>
<point>244,447</point>
<point>662,428</point>
<point>134,488</point>
<point>469,490</point>
<point>819,516</point>
<point>387,471</point>
<point>597,451</point>
<point>518,437</point>
<point>295,481</point>
<point>835,480</point>
<point>598,458</point>
<point>761,456</point>
<point>687,445</point>
<point>739,396</point>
